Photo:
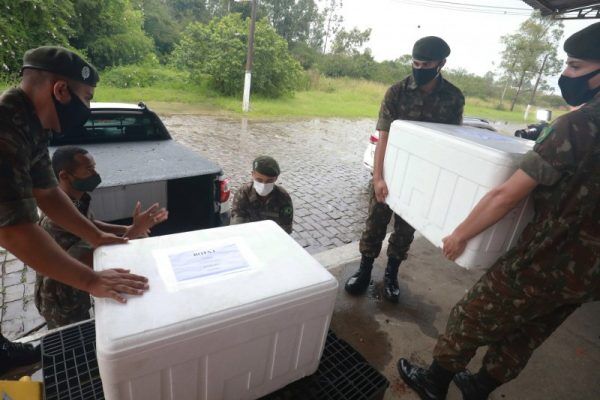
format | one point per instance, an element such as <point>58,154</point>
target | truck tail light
<point>374,138</point>
<point>224,191</point>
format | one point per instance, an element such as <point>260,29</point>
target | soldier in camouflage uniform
<point>261,199</point>
<point>554,268</point>
<point>54,95</point>
<point>423,96</point>
<point>75,170</point>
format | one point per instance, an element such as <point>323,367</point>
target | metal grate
<point>343,374</point>
<point>69,364</point>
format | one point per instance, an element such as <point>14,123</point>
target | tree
<point>110,31</point>
<point>350,42</point>
<point>160,25</point>
<point>187,11</point>
<point>297,21</point>
<point>531,53</point>
<point>218,49</point>
<point>332,21</point>
<point>28,24</point>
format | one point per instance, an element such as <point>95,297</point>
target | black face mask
<point>86,184</point>
<point>71,115</point>
<point>424,75</point>
<point>575,91</point>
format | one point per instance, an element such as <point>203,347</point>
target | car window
<point>111,126</point>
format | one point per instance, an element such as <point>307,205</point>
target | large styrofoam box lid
<point>465,142</point>
<point>277,270</point>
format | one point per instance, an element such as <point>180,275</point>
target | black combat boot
<point>358,283</point>
<point>475,387</point>
<point>13,355</point>
<point>391,290</point>
<point>429,384</point>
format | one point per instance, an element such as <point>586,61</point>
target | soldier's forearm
<point>32,245</point>
<point>60,209</point>
<point>111,228</point>
<point>379,155</point>
<point>495,205</point>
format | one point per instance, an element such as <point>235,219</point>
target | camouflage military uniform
<point>58,303</point>
<point>554,268</point>
<point>405,101</point>
<point>248,206</point>
<point>24,160</point>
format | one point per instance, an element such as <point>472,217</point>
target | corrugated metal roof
<point>560,6</point>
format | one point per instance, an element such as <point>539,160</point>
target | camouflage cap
<point>266,165</point>
<point>430,48</point>
<point>585,44</point>
<point>61,61</point>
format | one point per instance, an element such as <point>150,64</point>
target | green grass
<point>328,97</point>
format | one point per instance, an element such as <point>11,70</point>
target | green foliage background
<point>202,44</point>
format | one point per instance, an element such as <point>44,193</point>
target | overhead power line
<point>478,5</point>
<point>471,8</point>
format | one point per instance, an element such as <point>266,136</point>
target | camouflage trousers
<point>61,304</point>
<point>372,237</point>
<point>517,305</point>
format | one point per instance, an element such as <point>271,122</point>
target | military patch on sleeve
<point>286,211</point>
<point>545,133</point>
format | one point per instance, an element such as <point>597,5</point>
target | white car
<point>369,156</point>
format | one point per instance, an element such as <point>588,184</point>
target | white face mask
<point>263,189</point>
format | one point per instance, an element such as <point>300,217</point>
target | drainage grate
<point>69,364</point>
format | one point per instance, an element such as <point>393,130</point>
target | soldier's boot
<point>13,355</point>
<point>475,386</point>
<point>358,283</point>
<point>430,384</point>
<point>391,289</point>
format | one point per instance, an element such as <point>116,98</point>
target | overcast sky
<point>474,37</point>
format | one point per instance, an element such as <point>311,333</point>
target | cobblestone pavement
<point>321,162</point>
<point>19,314</point>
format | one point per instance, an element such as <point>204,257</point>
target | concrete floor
<point>564,367</point>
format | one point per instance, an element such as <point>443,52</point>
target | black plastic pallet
<point>71,372</point>
<point>343,374</point>
<point>69,364</point>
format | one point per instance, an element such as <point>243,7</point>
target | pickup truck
<point>138,160</point>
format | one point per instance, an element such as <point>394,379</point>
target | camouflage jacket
<point>24,160</point>
<point>64,238</point>
<point>248,206</point>
<point>566,163</point>
<point>404,100</point>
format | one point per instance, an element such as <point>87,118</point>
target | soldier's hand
<point>115,283</point>
<point>144,220</point>
<point>453,247</point>
<point>105,238</point>
<point>381,190</point>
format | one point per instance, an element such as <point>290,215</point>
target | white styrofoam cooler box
<point>437,173</point>
<point>232,330</point>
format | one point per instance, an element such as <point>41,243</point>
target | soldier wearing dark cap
<point>422,96</point>
<point>53,96</point>
<point>262,199</point>
<point>555,266</point>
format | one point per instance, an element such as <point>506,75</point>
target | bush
<point>355,66</point>
<point>120,49</point>
<point>128,76</point>
<point>219,50</point>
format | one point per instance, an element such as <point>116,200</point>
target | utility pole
<point>249,59</point>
